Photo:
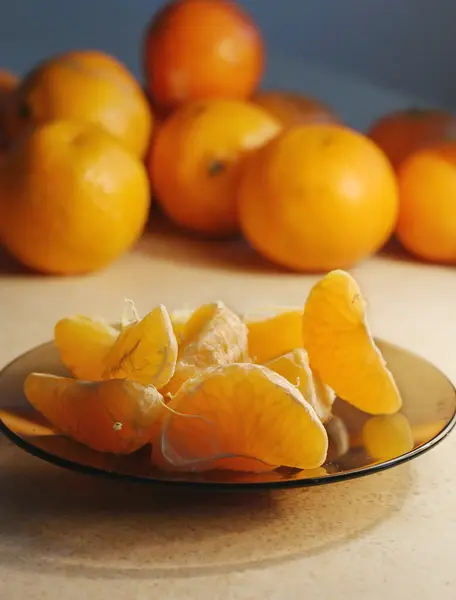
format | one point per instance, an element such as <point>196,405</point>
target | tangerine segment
<point>179,319</point>
<point>145,352</point>
<point>83,344</point>
<point>273,335</point>
<point>387,436</point>
<point>325,397</point>
<point>115,416</point>
<point>240,417</point>
<point>295,367</point>
<point>341,348</point>
<point>214,335</point>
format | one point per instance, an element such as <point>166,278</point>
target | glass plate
<point>359,443</point>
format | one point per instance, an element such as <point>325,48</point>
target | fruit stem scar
<point>216,167</point>
<point>118,426</point>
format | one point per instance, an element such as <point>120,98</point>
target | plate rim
<point>330,478</point>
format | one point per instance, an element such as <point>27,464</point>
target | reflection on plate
<point>359,444</point>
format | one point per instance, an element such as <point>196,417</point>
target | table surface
<point>65,536</point>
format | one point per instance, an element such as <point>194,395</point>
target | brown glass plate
<point>359,444</point>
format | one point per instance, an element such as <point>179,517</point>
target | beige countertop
<point>66,537</point>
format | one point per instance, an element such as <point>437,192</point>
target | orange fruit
<point>427,213</point>
<point>291,108</point>
<point>213,336</point>
<point>387,436</point>
<point>295,367</point>
<point>240,417</point>
<point>116,416</point>
<point>273,333</point>
<point>85,86</point>
<point>318,197</point>
<point>83,344</point>
<point>198,49</point>
<point>402,132</point>
<point>72,198</point>
<point>341,348</point>
<point>8,83</point>
<point>145,352</point>
<point>196,157</point>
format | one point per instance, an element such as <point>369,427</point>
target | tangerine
<point>291,108</point>
<point>84,86</point>
<point>197,49</point>
<point>73,199</point>
<point>317,197</point>
<point>196,157</point>
<point>402,132</point>
<point>427,211</point>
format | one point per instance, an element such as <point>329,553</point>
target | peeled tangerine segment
<point>115,416</point>
<point>179,319</point>
<point>295,367</point>
<point>274,332</point>
<point>387,436</point>
<point>83,344</point>
<point>341,348</point>
<point>145,352</point>
<point>240,417</point>
<point>214,335</point>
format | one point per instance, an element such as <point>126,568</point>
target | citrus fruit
<point>427,213</point>
<point>145,352</point>
<point>341,348</point>
<point>83,344</point>
<point>72,198</point>
<point>291,108</point>
<point>401,132</point>
<point>317,197</point>
<point>213,336</point>
<point>240,417</point>
<point>201,49</point>
<point>117,416</point>
<point>8,83</point>
<point>295,367</point>
<point>85,86</point>
<point>195,161</point>
<point>338,437</point>
<point>325,397</point>
<point>179,318</point>
<point>387,436</point>
<point>273,332</point>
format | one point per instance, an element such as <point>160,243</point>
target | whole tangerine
<point>318,197</point>
<point>401,132</point>
<point>196,157</point>
<point>72,198</point>
<point>198,49</point>
<point>8,83</point>
<point>427,213</point>
<point>85,86</point>
<point>291,108</point>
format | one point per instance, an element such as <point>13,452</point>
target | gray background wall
<point>362,56</point>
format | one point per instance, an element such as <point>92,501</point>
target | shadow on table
<point>166,242</point>
<point>56,521</point>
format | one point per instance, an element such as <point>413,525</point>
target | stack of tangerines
<point>221,157</point>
